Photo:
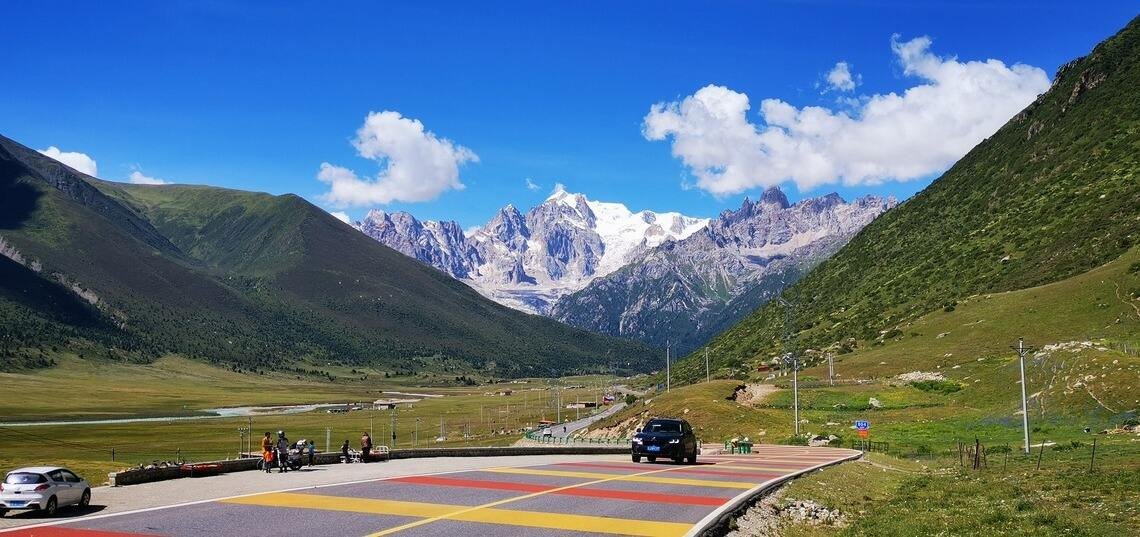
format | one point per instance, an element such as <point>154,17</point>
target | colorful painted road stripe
<point>630,495</point>
<point>636,478</point>
<point>463,513</point>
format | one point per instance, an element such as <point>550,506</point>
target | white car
<point>43,488</point>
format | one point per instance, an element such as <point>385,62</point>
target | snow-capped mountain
<point>686,291</point>
<point>530,261</point>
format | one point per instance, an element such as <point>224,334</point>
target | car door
<point>77,485</point>
<point>690,440</point>
<point>64,494</point>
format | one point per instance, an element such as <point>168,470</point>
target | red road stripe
<point>730,473</point>
<point>56,531</point>
<point>680,470</point>
<point>587,493</point>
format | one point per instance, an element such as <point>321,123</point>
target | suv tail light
<point>43,487</point>
<point>1,487</point>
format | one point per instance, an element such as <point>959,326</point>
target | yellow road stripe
<point>433,512</point>
<point>638,478</point>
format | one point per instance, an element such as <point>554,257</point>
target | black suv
<point>665,437</point>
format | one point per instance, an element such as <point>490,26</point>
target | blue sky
<point>258,95</point>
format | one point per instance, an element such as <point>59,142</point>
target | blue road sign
<point>862,425</point>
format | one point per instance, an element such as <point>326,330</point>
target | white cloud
<point>139,178</point>
<point>840,78</point>
<point>342,216</point>
<point>531,185</point>
<point>415,164</point>
<point>885,137</point>
<point>79,161</point>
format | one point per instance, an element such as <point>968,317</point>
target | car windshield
<point>663,427</point>
<point>24,478</point>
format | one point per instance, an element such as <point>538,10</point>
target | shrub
<point>795,441</point>
<point>937,386</point>
<point>1000,448</point>
<point>630,399</point>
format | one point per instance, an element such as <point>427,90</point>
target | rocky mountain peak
<point>775,196</point>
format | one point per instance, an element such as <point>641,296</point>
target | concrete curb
<point>137,476</point>
<point>718,522</point>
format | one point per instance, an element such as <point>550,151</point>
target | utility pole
<point>1023,350</point>
<point>790,358</point>
<point>707,378</point>
<point>830,369</point>
<point>668,372</point>
<point>393,426</point>
<point>416,436</point>
<point>328,439</point>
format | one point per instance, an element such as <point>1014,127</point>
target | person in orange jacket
<point>267,452</point>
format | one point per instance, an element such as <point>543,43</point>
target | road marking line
<point>637,478</point>
<point>53,531</point>
<point>631,495</point>
<point>608,478</point>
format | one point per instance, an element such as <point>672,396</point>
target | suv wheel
<point>651,459</point>
<point>637,458</point>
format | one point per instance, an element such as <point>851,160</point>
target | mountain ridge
<point>249,279</point>
<point>1052,194</point>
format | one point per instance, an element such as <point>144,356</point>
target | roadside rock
<point>773,512</point>
<point>919,376</point>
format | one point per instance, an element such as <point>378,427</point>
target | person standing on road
<point>365,446</point>
<point>266,452</point>
<point>282,452</point>
<point>344,452</point>
<point>312,451</point>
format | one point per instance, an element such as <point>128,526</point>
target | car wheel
<point>85,500</point>
<point>651,459</point>
<point>693,457</point>
<point>637,458</point>
<point>51,507</point>
<point>3,512</point>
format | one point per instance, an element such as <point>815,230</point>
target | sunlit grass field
<point>470,415</point>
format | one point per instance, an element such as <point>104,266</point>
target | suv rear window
<point>663,427</point>
<point>24,478</point>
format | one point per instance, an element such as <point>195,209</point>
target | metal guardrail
<point>556,440</point>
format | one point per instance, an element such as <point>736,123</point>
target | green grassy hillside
<point>1054,193</point>
<point>132,272</point>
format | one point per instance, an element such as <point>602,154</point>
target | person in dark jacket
<point>344,452</point>
<point>282,452</point>
<point>365,446</point>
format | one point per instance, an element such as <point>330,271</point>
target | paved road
<point>580,496</point>
<point>568,428</point>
